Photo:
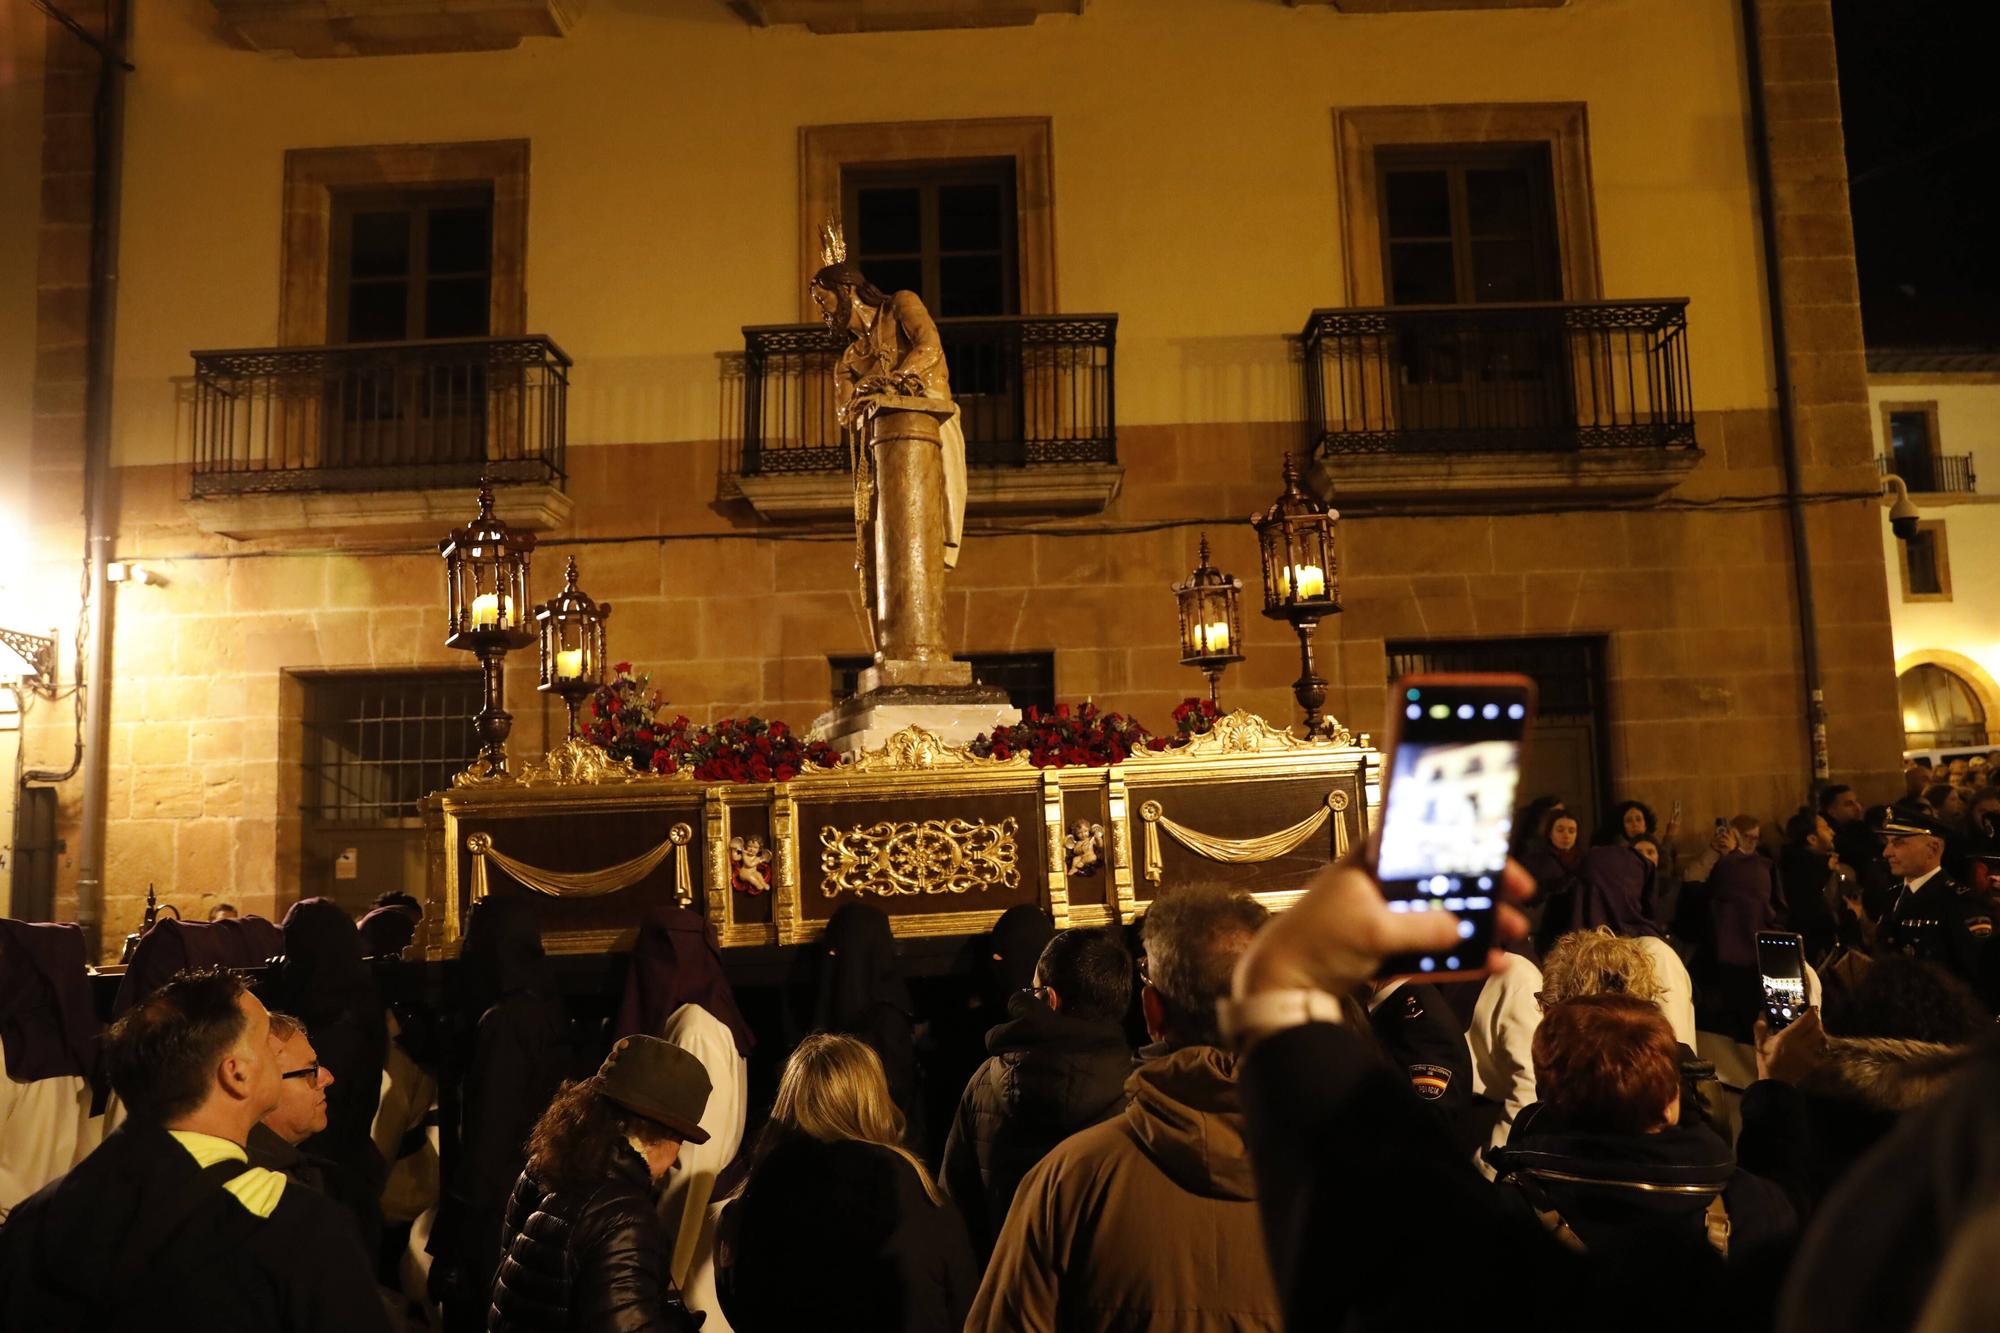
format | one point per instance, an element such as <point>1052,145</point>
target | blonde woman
<point>837,1226</point>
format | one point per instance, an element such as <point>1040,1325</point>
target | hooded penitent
<point>386,930</point>
<point>171,945</point>
<point>861,992</point>
<point>677,960</point>
<point>47,1023</point>
<point>1612,887</point>
<point>1015,946</point>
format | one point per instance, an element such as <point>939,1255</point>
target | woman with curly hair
<point>582,1248</point>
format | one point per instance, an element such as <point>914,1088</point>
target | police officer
<point>1425,1041</point>
<point>1933,917</point>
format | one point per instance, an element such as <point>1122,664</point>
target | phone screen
<point>1781,957</point>
<point>1449,809</point>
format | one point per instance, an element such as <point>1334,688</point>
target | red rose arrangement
<point>1066,737</point>
<point>624,718</point>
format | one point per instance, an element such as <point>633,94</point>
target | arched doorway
<point>1940,709</point>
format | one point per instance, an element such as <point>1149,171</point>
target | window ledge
<point>539,508</point>
<point>836,16</point>
<point>313,28</point>
<point>1085,488</point>
<point>1444,481</point>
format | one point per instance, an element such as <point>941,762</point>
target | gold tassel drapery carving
<point>586,883</point>
<point>1241,851</point>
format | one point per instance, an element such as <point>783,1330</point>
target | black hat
<point>1904,825</point>
<point>658,1080</point>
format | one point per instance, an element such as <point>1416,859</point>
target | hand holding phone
<point>1781,959</point>
<point>1454,776</point>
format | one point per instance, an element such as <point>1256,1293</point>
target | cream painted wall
<point>21,36</point>
<point>664,193</point>
<point>1969,624</point>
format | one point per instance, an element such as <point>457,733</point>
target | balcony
<point>1036,397</point>
<point>1438,405</point>
<point>1936,474</point>
<point>296,436</point>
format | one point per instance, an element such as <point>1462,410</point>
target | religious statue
<point>892,395</point>
<point>751,865</point>
<point>1085,845</point>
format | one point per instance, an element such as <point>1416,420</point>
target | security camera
<point>1903,515</point>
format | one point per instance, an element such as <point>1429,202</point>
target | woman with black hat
<point>582,1249</point>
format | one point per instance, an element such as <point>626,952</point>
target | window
<point>376,744</point>
<point>1939,709</point>
<point>1569,756</point>
<point>1912,433</point>
<point>945,232</point>
<point>1468,223</point>
<point>1028,678</point>
<point>411,264</point>
<point>1926,564</point>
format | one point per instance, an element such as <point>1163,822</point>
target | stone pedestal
<point>953,714</point>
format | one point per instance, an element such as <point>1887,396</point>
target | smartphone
<point>1721,823</point>
<point>1781,958</point>
<point>1454,776</point>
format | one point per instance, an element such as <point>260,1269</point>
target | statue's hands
<point>876,384</point>
<point>910,384</point>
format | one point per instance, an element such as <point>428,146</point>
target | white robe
<point>1502,1038</point>
<point>45,1129</point>
<point>685,1198</point>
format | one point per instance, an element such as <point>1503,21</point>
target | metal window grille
<point>1028,678</point>
<point>377,744</point>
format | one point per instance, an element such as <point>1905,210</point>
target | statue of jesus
<point>893,351</point>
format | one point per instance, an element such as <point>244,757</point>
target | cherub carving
<point>752,865</point>
<point>1085,845</point>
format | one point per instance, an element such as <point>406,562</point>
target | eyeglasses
<point>1039,994</point>
<point>310,1072</point>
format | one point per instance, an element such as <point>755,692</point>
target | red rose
<point>662,762</point>
<point>1062,710</point>
<point>780,729</point>
<point>622,668</point>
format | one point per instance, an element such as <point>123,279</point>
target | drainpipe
<point>1788,439</point>
<point>107,164</point>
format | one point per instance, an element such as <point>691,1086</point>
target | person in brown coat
<point>1149,1220</point>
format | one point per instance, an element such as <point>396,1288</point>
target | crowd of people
<point>1211,1119</point>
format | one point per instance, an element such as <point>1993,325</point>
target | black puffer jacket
<point>586,1259</point>
<point>1048,1077</point>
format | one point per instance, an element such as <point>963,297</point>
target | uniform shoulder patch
<point>1429,1081</point>
<point>1412,1006</point>
<point>1979,926</point>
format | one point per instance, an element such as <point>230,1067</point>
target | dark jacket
<point>1649,1196</point>
<point>586,1257</point>
<point>223,1269</point>
<point>1350,1182</point>
<point>841,1236</point>
<point>266,1148</point>
<point>1048,1077</point>
<point>1421,1036</point>
<point>1807,876</point>
<point>1807,1137</point>
<point>1943,922</point>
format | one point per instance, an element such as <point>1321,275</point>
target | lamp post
<point>1211,620</point>
<point>571,629</point>
<point>1296,539</point>
<point>486,608</point>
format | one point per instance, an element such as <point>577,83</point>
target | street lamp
<point>1296,538</point>
<point>571,629</point>
<point>486,612</point>
<point>1211,622</point>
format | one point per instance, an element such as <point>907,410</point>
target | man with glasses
<point>301,1110</point>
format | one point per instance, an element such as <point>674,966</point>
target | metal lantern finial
<point>1297,540</point>
<point>486,611</point>
<point>570,626</point>
<point>1210,619</point>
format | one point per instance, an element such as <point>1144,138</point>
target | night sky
<point>1920,96</point>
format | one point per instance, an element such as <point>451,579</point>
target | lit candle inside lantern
<point>1311,580</point>
<point>1215,636</point>
<point>569,664</point>
<point>490,611</point>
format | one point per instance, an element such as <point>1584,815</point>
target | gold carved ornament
<point>585,883</point>
<point>932,856</point>
<point>1241,851</point>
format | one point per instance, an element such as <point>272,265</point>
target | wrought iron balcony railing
<point>379,416</point>
<point>1031,389</point>
<point>1486,379</point>
<point>1949,474</point>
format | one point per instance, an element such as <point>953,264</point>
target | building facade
<point>1495,274</point>
<point>1937,421</point>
